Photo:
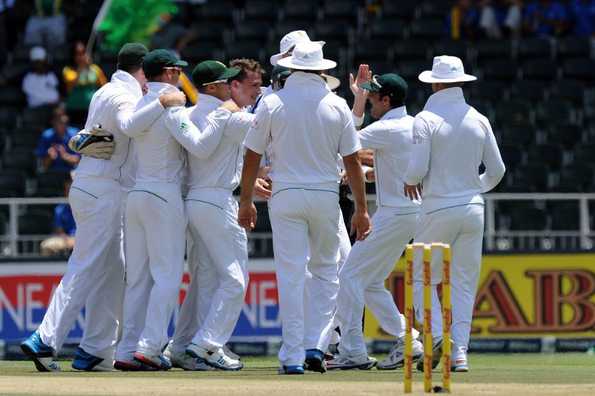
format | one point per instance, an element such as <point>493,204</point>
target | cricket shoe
<point>459,363</point>
<point>396,356</point>
<point>41,354</point>
<point>436,354</point>
<point>185,362</point>
<point>214,358</point>
<point>231,353</point>
<point>132,365</point>
<point>158,362</point>
<point>84,361</point>
<point>342,362</point>
<point>292,370</point>
<point>315,361</point>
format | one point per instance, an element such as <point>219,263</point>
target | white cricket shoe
<point>342,362</point>
<point>184,361</point>
<point>231,353</point>
<point>396,356</point>
<point>214,358</point>
<point>459,361</point>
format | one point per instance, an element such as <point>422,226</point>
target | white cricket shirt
<point>450,141</point>
<point>391,138</point>
<point>113,106</point>
<point>307,126</point>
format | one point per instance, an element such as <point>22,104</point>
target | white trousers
<point>462,228</point>
<point>94,278</point>
<point>362,279</point>
<point>220,277</point>
<point>306,238</point>
<point>155,242</point>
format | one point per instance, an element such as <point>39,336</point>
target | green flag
<point>126,21</point>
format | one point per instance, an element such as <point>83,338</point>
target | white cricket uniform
<point>307,126</point>
<point>450,141</point>
<point>156,226</point>
<point>218,257</point>
<point>372,260</point>
<point>94,277</point>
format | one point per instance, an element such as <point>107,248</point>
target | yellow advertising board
<point>521,296</point>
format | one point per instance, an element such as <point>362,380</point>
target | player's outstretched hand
<point>413,192</point>
<point>96,143</point>
<point>363,75</point>
<point>360,225</point>
<point>172,99</point>
<point>262,188</point>
<point>247,215</point>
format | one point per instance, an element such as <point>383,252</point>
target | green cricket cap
<point>389,84</point>
<point>212,72</point>
<point>279,72</point>
<point>158,59</point>
<point>132,54</point>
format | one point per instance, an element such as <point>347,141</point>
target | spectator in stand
<point>62,241</point>
<point>40,85</point>
<point>583,14</point>
<point>81,80</point>
<point>463,20</point>
<point>488,20</point>
<point>546,18</point>
<point>52,148</point>
<point>513,21</point>
<point>47,25</point>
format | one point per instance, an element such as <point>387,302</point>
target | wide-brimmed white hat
<point>446,69</point>
<point>288,42</point>
<point>307,56</point>
<point>332,82</point>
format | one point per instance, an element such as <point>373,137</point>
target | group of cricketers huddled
<point>155,185</point>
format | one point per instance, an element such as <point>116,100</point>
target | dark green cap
<point>132,54</point>
<point>212,72</point>
<point>389,84</point>
<point>158,59</point>
<point>279,73</point>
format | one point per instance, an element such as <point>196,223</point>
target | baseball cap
<point>158,59</point>
<point>132,54</point>
<point>389,84</point>
<point>212,72</point>
<point>37,54</point>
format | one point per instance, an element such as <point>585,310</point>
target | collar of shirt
<point>444,97</point>
<point>128,80</point>
<point>397,112</point>
<point>209,101</point>
<point>299,78</point>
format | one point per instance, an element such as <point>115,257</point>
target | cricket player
<point>155,219</point>
<point>307,126</point>
<point>450,141</point>
<point>219,255</point>
<point>95,272</point>
<point>372,260</point>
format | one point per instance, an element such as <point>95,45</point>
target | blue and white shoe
<point>84,361</point>
<point>158,362</point>
<point>292,370</point>
<point>315,361</point>
<point>41,354</point>
<point>215,358</point>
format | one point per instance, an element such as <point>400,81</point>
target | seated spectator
<point>463,20</point>
<point>583,14</point>
<point>47,25</point>
<point>81,79</point>
<point>488,20</point>
<point>513,19</point>
<point>62,241</point>
<point>52,148</point>
<point>546,18</point>
<point>40,85</point>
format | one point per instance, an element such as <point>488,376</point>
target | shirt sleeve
<point>42,146</point>
<point>373,137</point>
<point>492,160</point>
<point>419,162</point>
<point>198,143</point>
<point>349,142</point>
<point>358,121</point>
<point>238,125</point>
<point>257,137</point>
<point>133,122</point>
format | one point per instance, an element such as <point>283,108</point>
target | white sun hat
<point>307,56</point>
<point>332,82</point>
<point>288,42</point>
<point>446,69</point>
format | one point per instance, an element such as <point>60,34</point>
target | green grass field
<point>491,374</point>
